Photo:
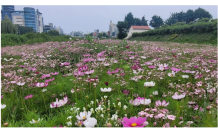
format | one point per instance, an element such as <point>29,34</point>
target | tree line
<point>182,18</point>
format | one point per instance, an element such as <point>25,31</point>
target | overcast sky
<point>87,18</point>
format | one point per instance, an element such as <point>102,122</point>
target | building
<point>1,15</point>
<point>59,29</point>
<point>30,18</point>
<point>51,25</point>
<point>18,18</point>
<point>39,22</point>
<point>137,29</point>
<point>6,11</point>
<point>113,30</point>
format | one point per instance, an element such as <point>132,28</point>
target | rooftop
<point>141,27</point>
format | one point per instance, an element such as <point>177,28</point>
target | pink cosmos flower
<point>83,68</point>
<point>126,92</point>
<point>151,67</point>
<point>175,69</point>
<point>59,103</point>
<point>171,117</point>
<point>45,76</point>
<point>166,125</point>
<point>79,73</point>
<point>66,63</point>
<point>28,96</point>
<point>49,80</point>
<point>89,72</point>
<point>41,85</point>
<point>55,73</point>
<point>176,96</point>
<point>133,122</point>
<point>163,103</point>
<point>88,60</point>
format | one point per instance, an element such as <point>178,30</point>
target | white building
<point>137,29</point>
<point>59,29</point>
<point>113,29</point>
<point>39,22</point>
<point>18,19</point>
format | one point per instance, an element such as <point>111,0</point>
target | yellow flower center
<point>133,124</point>
<point>84,117</point>
<point>36,121</point>
<point>80,123</point>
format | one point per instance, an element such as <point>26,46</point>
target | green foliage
<point>53,33</point>
<point>180,28</point>
<point>189,16</point>
<point>122,28</point>
<point>156,21</point>
<point>130,20</point>
<point>144,22</point>
<point>100,35</point>
<point>7,27</point>
<point>203,20</point>
<point>29,38</point>
<point>138,22</point>
<point>22,30</point>
<point>173,36</point>
<point>202,13</point>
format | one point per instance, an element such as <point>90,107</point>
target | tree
<point>156,21</point>
<point>172,19</point>
<point>22,30</point>
<point>144,22</point>
<point>179,24</point>
<point>189,16</point>
<point>201,13</point>
<point>104,35</point>
<point>100,35</point>
<point>138,22</point>
<point>91,34</point>
<point>53,33</point>
<point>7,27</point>
<point>130,20</point>
<point>122,28</point>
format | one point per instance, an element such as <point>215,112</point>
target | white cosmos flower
<point>149,84</point>
<point>185,76</point>
<point>171,74</point>
<point>20,84</point>
<point>43,90</point>
<point>155,93</point>
<point>145,102</point>
<point>69,123</point>
<point>83,115</point>
<point>106,89</point>
<point>143,57</point>
<point>106,64</point>
<point>3,106</point>
<point>69,117</point>
<point>72,91</point>
<point>90,122</point>
<point>33,121</point>
<point>114,117</point>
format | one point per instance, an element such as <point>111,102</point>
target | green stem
<point>44,101</point>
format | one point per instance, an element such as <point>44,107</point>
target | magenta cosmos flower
<point>28,96</point>
<point>133,122</point>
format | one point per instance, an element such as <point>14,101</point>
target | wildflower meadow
<point>109,83</point>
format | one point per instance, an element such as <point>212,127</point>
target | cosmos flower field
<point>109,83</point>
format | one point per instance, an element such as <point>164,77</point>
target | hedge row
<point>200,27</point>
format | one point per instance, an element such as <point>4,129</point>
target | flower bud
<point>6,124</point>
<point>109,125</point>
